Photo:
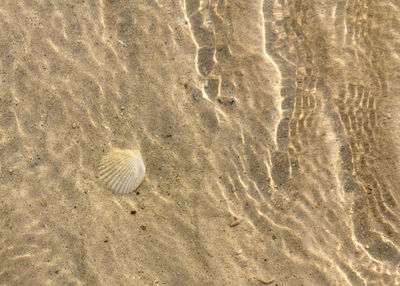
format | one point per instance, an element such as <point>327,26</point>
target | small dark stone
<point>137,193</point>
<point>106,240</point>
<point>133,212</point>
<point>226,101</point>
<point>143,227</point>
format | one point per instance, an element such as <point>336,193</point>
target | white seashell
<point>122,170</point>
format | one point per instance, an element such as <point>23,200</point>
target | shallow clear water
<point>269,130</point>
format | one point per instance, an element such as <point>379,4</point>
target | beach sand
<point>269,130</point>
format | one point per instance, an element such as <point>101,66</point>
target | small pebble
<point>235,223</point>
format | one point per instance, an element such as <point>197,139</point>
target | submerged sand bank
<point>269,131</point>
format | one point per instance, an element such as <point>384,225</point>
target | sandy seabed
<point>270,132</point>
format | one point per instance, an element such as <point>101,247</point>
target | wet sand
<point>269,130</point>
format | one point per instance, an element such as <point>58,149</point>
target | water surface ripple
<point>269,130</point>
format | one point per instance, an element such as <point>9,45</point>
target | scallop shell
<point>122,170</point>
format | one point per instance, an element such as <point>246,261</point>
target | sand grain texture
<point>269,129</point>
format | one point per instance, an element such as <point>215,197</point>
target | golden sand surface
<point>270,132</point>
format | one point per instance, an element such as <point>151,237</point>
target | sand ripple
<point>269,130</point>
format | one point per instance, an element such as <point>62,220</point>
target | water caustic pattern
<point>269,131</point>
